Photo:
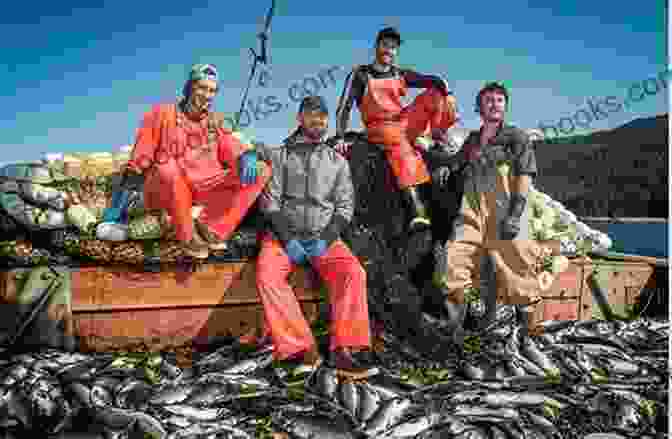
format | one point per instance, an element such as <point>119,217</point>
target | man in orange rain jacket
<point>377,90</point>
<point>308,203</point>
<point>189,160</point>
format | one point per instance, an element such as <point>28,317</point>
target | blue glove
<point>119,202</point>
<point>248,168</point>
<point>314,247</point>
<point>297,254</point>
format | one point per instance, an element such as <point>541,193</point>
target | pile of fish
<point>576,379</point>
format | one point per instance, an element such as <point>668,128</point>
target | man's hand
<point>315,247</point>
<point>129,171</point>
<point>510,228</point>
<point>297,254</point>
<point>342,147</point>
<point>248,167</point>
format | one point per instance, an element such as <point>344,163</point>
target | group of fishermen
<point>207,180</point>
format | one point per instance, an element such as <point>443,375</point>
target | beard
<point>198,105</point>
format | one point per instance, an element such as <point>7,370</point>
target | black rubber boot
<point>488,292</point>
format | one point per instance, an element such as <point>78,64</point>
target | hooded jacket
<point>310,194</point>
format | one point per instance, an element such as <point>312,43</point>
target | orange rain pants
<point>429,110</point>
<point>284,321</point>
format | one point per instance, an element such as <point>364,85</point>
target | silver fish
<point>173,394</point>
<point>214,430</point>
<point>326,382</point>
<point>147,426</point>
<point>208,395</point>
<point>250,365</point>
<point>389,413</point>
<point>413,427</point>
<point>514,368</point>
<point>349,396</point>
<point>474,411</point>
<point>301,426</point>
<point>199,414</point>
<point>369,402</point>
<point>101,396</point>
<point>387,390</point>
<point>530,350</point>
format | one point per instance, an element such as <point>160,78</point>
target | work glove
<point>113,214</point>
<point>248,168</point>
<point>315,247</point>
<point>297,254</point>
<point>510,227</point>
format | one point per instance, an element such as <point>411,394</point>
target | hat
<point>313,103</point>
<point>203,71</point>
<point>391,33</point>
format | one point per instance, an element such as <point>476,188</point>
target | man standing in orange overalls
<point>308,203</point>
<point>377,90</point>
<point>189,160</point>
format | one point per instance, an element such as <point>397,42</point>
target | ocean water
<point>645,239</point>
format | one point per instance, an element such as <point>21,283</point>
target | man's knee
<point>268,276</point>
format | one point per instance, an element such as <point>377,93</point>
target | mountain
<point>621,172</point>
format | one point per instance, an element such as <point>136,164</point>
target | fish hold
<point>389,414</point>
<point>302,426</point>
<point>369,402</point>
<point>326,382</point>
<point>173,394</point>
<point>349,396</point>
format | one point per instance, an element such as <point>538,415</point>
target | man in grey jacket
<point>308,202</point>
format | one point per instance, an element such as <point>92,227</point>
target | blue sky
<point>79,76</point>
